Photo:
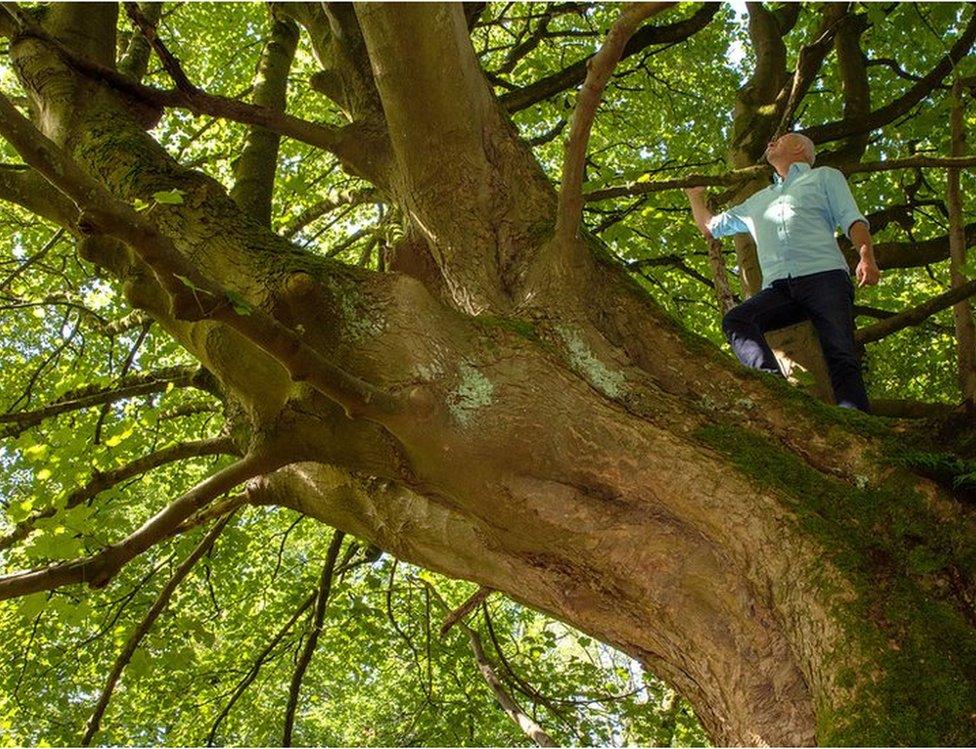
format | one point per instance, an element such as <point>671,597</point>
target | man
<point>805,275</point>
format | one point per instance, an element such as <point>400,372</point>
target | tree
<point>489,391</point>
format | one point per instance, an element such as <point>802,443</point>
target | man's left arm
<point>846,215</point>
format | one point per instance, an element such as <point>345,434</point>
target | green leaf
<point>169,197</point>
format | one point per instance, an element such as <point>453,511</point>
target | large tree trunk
<point>561,440</point>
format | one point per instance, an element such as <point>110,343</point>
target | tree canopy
<point>250,620</point>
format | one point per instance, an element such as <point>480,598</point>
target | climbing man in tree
<point>805,275</point>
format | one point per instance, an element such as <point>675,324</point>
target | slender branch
<point>915,315</point>
<point>464,609</point>
<point>321,601</point>
<point>216,510</point>
<point>599,69</point>
<point>962,311</point>
<point>330,203</point>
<point>529,727</point>
<point>101,481</point>
<point>518,716</point>
<point>36,257</point>
<point>97,570</point>
<point>193,295</point>
<point>723,292</point>
<point>159,605</point>
<point>130,387</point>
<point>809,60</point>
<point>170,64</point>
<point>252,673</point>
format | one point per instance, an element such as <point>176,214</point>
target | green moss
<point>515,325</point>
<point>900,561</point>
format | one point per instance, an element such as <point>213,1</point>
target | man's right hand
<point>695,193</point>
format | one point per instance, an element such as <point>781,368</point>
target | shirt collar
<point>796,168</point>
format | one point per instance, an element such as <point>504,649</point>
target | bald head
<point>789,148</point>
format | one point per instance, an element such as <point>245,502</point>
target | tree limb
<point>193,295</point>
<point>130,387</point>
<point>254,170</point>
<point>332,139</point>
<point>464,609</point>
<point>599,69</point>
<point>97,570</point>
<point>100,481</point>
<point>745,174</point>
<point>518,716</point>
<point>330,203</point>
<point>809,60</point>
<point>915,315</point>
<point>252,674</point>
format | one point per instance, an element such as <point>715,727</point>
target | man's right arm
<point>712,225</point>
<point>696,196</point>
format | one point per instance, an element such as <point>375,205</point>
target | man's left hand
<point>867,272</point>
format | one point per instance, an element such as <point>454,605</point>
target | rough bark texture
<point>568,445</point>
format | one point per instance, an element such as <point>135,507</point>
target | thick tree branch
<point>910,254</point>
<point>139,633</point>
<point>903,104</point>
<point>321,601</point>
<point>254,171</point>
<point>193,296</point>
<point>574,74</point>
<point>599,69</point>
<point>855,84</point>
<point>135,61</point>
<point>28,189</point>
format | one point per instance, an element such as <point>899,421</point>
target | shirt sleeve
<point>843,210</point>
<point>728,222</point>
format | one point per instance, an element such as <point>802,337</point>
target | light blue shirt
<point>794,222</point>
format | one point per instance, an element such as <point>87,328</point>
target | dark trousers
<point>825,299</point>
